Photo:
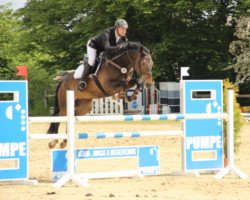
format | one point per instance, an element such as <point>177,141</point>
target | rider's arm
<point>106,44</point>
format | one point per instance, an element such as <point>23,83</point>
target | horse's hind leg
<point>82,107</point>
<point>53,129</point>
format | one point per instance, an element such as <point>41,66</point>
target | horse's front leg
<point>131,83</point>
<point>123,94</point>
<point>120,95</point>
<point>135,93</point>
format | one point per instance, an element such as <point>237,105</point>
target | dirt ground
<point>164,186</point>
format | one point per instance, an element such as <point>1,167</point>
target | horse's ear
<point>144,50</point>
<point>153,51</point>
<point>141,49</point>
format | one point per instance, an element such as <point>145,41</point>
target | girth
<point>99,85</point>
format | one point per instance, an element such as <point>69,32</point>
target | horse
<point>114,76</point>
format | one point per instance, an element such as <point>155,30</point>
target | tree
<point>50,35</point>
<point>8,36</point>
<point>60,29</point>
<point>240,49</point>
<point>11,55</point>
<point>184,32</point>
<point>197,37</point>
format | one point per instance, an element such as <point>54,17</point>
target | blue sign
<point>134,104</point>
<point>203,143</point>
<point>148,158</point>
<point>13,130</point>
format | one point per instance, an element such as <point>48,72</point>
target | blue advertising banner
<point>148,158</point>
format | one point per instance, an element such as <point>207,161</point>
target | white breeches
<point>79,71</point>
<point>91,61</point>
<point>91,54</point>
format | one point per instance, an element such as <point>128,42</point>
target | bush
<point>238,120</point>
<point>39,81</point>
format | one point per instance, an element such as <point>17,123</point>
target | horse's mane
<point>136,46</point>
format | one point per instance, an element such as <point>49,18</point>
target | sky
<point>15,4</point>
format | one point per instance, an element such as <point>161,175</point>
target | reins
<point>124,71</point>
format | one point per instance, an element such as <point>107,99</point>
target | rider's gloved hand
<point>123,46</point>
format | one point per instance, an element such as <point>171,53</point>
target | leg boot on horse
<point>83,84</point>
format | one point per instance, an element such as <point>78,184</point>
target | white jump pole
<point>230,168</point>
<point>70,175</point>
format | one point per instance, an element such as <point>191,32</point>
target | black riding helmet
<point>121,23</point>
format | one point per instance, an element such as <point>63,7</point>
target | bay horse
<point>113,77</point>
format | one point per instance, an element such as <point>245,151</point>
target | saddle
<point>78,72</point>
<point>98,62</point>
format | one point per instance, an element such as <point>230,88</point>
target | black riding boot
<point>83,84</point>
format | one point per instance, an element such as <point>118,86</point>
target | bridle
<point>124,70</point>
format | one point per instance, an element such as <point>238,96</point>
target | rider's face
<point>122,31</point>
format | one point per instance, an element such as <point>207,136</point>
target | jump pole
<point>70,175</point>
<point>230,168</point>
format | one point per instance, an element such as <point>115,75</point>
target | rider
<point>110,41</point>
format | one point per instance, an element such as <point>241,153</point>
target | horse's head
<point>143,62</point>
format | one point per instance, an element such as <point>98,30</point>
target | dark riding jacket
<point>107,42</point>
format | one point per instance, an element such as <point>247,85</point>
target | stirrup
<point>82,85</point>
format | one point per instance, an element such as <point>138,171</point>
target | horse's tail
<point>56,106</point>
<point>53,128</point>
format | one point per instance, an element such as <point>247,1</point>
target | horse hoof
<point>52,144</point>
<point>63,145</point>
